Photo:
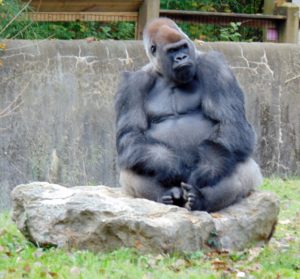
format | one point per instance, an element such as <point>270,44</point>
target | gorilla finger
<point>191,195</point>
<point>186,187</point>
<point>167,199</point>
<point>191,199</point>
<point>188,206</point>
<point>177,193</point>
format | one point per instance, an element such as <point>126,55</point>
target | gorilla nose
<point>180,57</point>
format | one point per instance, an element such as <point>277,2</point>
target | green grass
<point>279,259</point>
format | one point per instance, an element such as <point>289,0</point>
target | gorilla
<point>182,134</point>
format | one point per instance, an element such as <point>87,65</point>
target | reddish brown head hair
<point>163,31</point>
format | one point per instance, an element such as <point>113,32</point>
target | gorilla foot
<point>193,198</point>
<point>173,196</point>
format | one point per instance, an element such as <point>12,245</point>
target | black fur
<point>232,140</point>
<point>194,132</point>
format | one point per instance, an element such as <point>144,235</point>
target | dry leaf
<point>138,244</point>
<point>216,215</point>
<point>53,274</point>
<point>219,265</point>
<point>27,268</point>
<point>90,39</point>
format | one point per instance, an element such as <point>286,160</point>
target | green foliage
<point>279,259</point>
<point>80,30</point>
<point>205,32</point>
<point>209,32</point>
<point>10,13</point>
<point>234,6</point>
<point>13,26</point>
<point>231,33</point>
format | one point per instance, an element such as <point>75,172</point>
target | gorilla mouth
<point>184,72</point>
<point>182,66</point>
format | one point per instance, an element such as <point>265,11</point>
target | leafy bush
<point>10,13</point>
<point>13,26</point>
<point>209,32</point>
<point>231,33</point>
<point>229,6</point>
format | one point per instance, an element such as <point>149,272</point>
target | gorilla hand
<point>193,199</point>
<point>173,196</point>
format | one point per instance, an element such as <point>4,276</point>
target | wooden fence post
<point>288,31</point>
<point>148,10</point>
<point>269,6</point>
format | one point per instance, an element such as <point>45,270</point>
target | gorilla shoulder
<point>137,78</point>
<point>213,64</point>
<point>135,84</point>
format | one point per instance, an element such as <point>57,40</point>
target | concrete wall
<point>57,118</point>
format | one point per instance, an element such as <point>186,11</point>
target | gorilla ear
<point>153,49</point>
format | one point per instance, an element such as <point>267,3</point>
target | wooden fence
<point>283,26</point>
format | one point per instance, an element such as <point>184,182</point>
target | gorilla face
<point>176,61</point>
<point>183,68</point>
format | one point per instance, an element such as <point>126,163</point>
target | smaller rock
<point>100,218</point>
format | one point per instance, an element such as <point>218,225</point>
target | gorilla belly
<point>182,132</point>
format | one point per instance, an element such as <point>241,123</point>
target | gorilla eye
<point>153,49</point>
<point>172,50</point>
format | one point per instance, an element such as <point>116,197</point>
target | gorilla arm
<point>232,140</point>
<point>136,151</point>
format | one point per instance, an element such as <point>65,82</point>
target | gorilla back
<point>182,134</point>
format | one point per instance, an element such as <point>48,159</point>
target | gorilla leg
<point>139,186</point>
<point>240,184</point>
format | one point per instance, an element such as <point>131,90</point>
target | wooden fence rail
<point>285,24</point>
<point>252,20</point>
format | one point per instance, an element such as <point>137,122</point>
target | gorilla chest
<point>163,101</point>
<point>175,116</point>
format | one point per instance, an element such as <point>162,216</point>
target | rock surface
<point>100,218</point>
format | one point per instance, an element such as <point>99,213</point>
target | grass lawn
<point>279,259</point>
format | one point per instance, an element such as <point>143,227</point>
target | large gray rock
<point>102,219</point>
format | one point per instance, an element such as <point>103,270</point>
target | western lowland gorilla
<point>182,134</point>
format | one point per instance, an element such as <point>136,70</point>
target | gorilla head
<point>170,50</point>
